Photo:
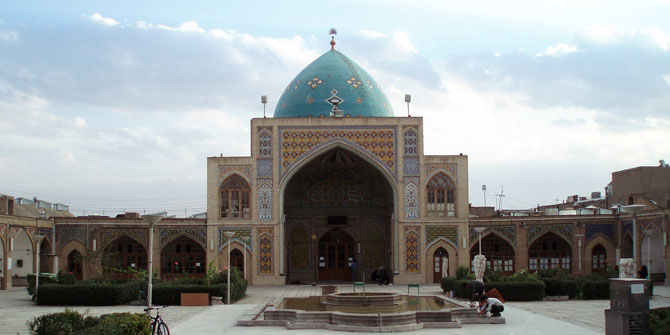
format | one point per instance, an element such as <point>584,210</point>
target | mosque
<point>335,177</point>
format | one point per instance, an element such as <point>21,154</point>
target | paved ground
<point>542,317</point>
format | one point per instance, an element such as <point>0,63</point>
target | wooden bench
<point>195,299</point>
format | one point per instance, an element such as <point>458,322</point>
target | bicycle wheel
<point>162,329</point>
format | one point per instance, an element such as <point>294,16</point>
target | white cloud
<point>187,27</point>
<point>560,49</point>
<point>612,36</point>
<point>79,122</point>
<point>398,41</point>
<point>666,78</point>
<point>9,35</point>
<point>103,20</point>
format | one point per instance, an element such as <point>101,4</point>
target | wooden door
<point>438,262</point>
<point>336,251</point>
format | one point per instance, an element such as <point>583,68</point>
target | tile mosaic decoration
<point>535,231</point>
<point>166,235</point>
<point>411,197</point>
<point>67,234</point>
<point>240,233</point>
<point>412,252</point>
<point>265,254</point>
<point>298,244</point>
<point>107,235</point>
<point>449,169</point>
<point>410,142</point>
<point>507,232</point>
<point>378,142</point>
<point>606,229</point>
<point>227,170</point>
<point>265,199</point>
<point>265,144</point>
<point>411,166</point>
<point>434,233</point>
<point>264,167</point>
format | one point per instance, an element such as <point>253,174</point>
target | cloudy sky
<point>116,105</point>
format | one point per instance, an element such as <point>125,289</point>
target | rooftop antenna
<point>333,32</point>
<point>264,100</point>
<point>408,99</point>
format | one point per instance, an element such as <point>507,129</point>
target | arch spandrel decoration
<point>166,235</point>
<point>265,251</point>
<point>108,235</point>
<point>239,234</point>
<point>67,234</point>
<point>226,170</point>
<point>606,229</point>
<point>449,234</point>
<point>433,168</point>
<point>563,230</point>
<point>507,232</point>
<point>412,250</point>
<point>412,197</point>
<point>378,142</point>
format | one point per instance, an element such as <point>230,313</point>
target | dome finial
<point>333,32</point>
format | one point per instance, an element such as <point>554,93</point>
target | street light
<point>151,219</point>
<point>479,231</point>
<point>38,240</point>
<point>633,210</point>
<point>245,240</point>
<point>579,249</point>
<point>228,235</point>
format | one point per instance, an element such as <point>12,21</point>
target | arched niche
<point>183,257</point>
<point>498,251</point>
<point>123,257</point>
<point>549,251</point>
<point>430,261</point>
<point>606,244</point>
<point>22,255</point>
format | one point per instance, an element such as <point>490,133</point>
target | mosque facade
<point>334,177</point>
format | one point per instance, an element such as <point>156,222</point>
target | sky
<point>114,106</point>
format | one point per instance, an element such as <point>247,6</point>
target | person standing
<point>354,270</point>
<point>475,289</point>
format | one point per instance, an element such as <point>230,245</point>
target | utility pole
<point>484,190</point>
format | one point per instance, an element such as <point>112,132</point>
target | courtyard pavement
<point>539,317</point>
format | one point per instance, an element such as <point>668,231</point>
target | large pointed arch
<point>499,252</point>
<point>549,250</point>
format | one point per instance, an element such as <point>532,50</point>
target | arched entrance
<point>45,256</point>
<point>598,258</point>
<point>549,251</point>
<point>183,258</point>
<point>498,252</point>
<point>652,252</point>
<point>123,257</point>
<point>74,264</point>
<point>22,257</point>
<point>439,256</point>
<point>237,260</point>
<point>337,194</point>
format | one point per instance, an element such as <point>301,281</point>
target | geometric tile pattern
<point>410,142</point>
<point>265,144</point>
<point>379,142</point>
<point>411,197</point>
<point>448,233</point>
<point>298,243</point>
<point>606,229</point>
<point>508,232</point>
<point>265,255</point>
<point>410,166</point>
<point>264,167</point>
<point>450,169</point>
<point>67,234</point>
<point>108,235</point>
<point>244,170</point>
<point>265,199</point>
<point>168,234</point>
<point>412,252</point>
<point>564,230</point>
<point>239,235</point>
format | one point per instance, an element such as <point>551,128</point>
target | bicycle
<point>158,325</point>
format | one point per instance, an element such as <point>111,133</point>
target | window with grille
<point>549,251</point>
<point>235,193</point>
<point>498,252</point>
<point>441,196</point>
<point>598,257</point>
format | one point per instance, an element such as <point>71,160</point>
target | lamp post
<point>479,231</point>
<point>151,219</point>
<point>228,235</point>
<point>245,240</point>
<point>38,240</point>
<point>579,250</point>
<point>633,210</point>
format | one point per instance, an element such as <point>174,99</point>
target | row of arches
<point>22,256</point>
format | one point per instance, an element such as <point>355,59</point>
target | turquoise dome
<point>333,82</point>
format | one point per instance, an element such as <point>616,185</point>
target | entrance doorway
<point>237,261</point>
<point>336,252</point>
<point>439,256</point>
<point>74,264</point>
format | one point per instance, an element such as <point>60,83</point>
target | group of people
<point>491,302</point>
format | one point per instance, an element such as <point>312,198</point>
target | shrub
<point>553,273</point>
<point>659,321</point>
<point>494,276</point>
<point>456,285</point>
<point>522,275</point>
<point>561,286</point>
<point>594,289</point>
<point>88,294</point>
<point>45,278</point>
<point>463,272</point>
<point>120,324</point>
<point>189,281</point>
<point>65,278</point>
<point>519,290</point>
<point>167,294</point>
<point>67,322</point>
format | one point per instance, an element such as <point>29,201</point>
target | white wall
<point>656,252</point>
<point>23,250</point>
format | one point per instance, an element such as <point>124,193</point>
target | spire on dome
<point>333,32</point>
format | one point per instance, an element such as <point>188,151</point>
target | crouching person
<point>492,305</point>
